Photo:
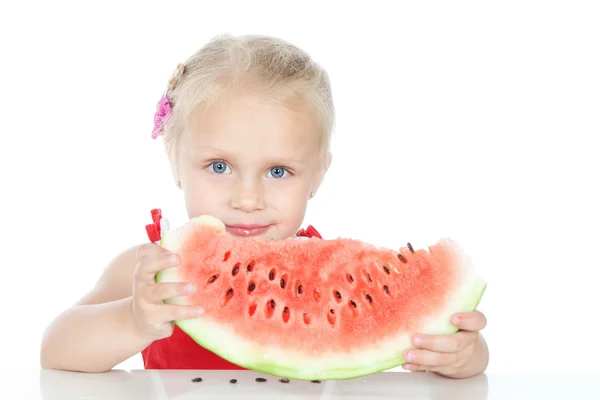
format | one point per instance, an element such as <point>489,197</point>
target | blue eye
<point>277,172</point>
<point>219,167</point>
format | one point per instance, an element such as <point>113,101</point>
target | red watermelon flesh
<point>316,309</point>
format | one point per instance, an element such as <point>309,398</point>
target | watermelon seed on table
<point>198,379</point>
<point>260,380</point>
<point>232,380</point>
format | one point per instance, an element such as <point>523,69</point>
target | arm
<point>98,332</point>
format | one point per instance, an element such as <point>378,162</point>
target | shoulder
<point>116,280</point>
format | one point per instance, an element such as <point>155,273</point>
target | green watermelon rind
<point>232,348</point>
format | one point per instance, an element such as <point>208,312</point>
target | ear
<point>172,154</point>
<point>320,176</point>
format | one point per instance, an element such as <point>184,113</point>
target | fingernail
<point>417,340</point>
<point>410,356</point>
<point>456,320</point>
<point>174,259</point>
<point>200,310</point>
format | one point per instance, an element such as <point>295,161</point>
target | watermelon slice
<point>315,309</point>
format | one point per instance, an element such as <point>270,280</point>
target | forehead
<point>255,126</point>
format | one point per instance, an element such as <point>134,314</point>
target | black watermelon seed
<point>410,247</point>
<point>260,380</point>
<point>212,278</point>
<point>272,303</point>
<point>386,289</point>
<point>282,283</point>
<point>251,287</point>
<point>271,275</point>
<point>233,380</point>
<point>249,268</point>
<point>284,380</point>
<point>401,258</point>
<point>369,299</point>
<point>386,269</point>
<point>236,269</point>
<point>299,289</point>
<point>198,379</point>
<point>352,303</point>
<point>316,381</point>
<point>338,295</point>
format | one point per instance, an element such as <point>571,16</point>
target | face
<point>251,163</point>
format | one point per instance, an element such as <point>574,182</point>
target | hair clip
<point>162,115</point>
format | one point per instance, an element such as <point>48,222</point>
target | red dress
<point>179,351</point>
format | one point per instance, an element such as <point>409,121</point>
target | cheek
<point>291,203</point>
<point>202,197</point>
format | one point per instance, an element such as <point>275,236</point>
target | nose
<point>248,197</point>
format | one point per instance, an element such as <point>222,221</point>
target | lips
<point>247,230</point>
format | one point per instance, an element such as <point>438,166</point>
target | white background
<point>473,120</point>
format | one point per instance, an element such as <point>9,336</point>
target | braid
<point>175,78</point>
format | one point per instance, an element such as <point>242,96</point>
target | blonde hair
<point>272,66</point>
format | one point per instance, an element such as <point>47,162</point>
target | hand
<point>152,317</point>
<point>447,354</point>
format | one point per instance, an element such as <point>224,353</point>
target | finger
<point>144,250</point>
<point>162,291</point>
<point>445,343</point>
<point>429,358</point>
<point>148,267</point>
<point>473,321</point>
<point>173,312</point>
<point>415,367</point>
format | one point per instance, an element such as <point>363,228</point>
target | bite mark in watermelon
<point>316,309</point>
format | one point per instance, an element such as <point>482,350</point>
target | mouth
<point>247,230</point>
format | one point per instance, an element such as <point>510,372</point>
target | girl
<point>247,123</point>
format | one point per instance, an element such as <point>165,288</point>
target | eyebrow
<point>214,152</point>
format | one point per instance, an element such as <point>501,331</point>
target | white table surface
<point>166,385</point>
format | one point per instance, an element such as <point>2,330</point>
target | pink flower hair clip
<point>161,117</point>
<point>164,108</point>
